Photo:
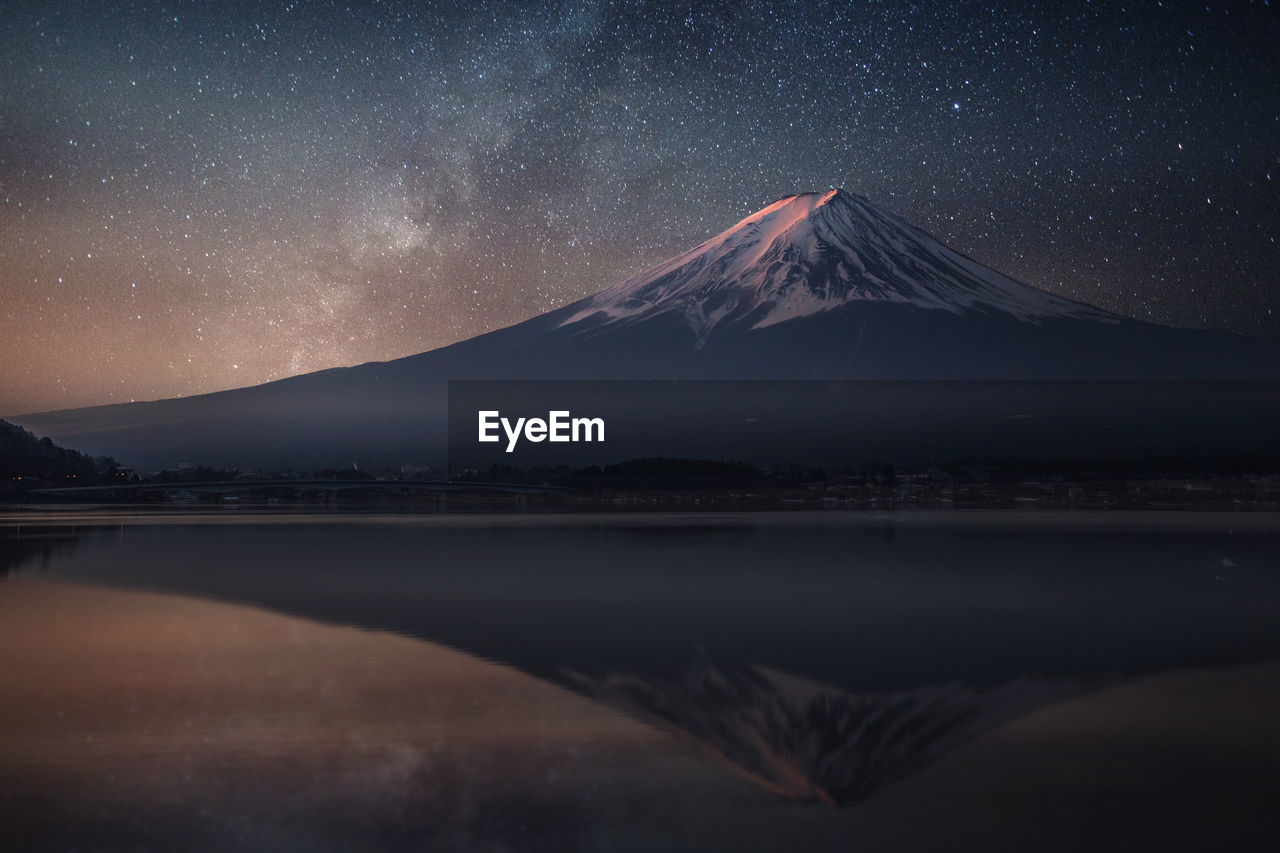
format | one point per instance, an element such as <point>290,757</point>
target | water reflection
<point>809,742</point>
<point>39,546</point>
<point>135,720</point>
<point>822,659</point>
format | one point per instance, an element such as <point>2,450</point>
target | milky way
<point>198,196</point>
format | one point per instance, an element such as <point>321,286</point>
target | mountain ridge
<point>813,252</point>
<point>814,286</point>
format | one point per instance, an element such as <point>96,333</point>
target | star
<point>288,188</point>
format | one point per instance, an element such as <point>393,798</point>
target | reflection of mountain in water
<point>895,649</point>
<point>811,742</point>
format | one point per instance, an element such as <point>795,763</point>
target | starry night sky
<point>196,196</point>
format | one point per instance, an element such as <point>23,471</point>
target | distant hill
<point>30,462</point>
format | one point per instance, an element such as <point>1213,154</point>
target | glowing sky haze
<point>198,196</point>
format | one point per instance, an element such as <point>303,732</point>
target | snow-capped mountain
<point>815,286</point>
<point>812,253</point>
<point>828,286</point>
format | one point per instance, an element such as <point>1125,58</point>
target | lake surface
<point>249,680</point>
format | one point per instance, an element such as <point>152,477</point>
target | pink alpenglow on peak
<point>819,286</point>
<point>811,253</point>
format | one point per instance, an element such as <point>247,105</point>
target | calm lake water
<point>934,681</point>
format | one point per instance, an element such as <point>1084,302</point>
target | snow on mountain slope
<point>820,286</point>
<point>811,253</point>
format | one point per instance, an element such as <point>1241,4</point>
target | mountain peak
<point>812,253</point>
<point>787,212</point>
